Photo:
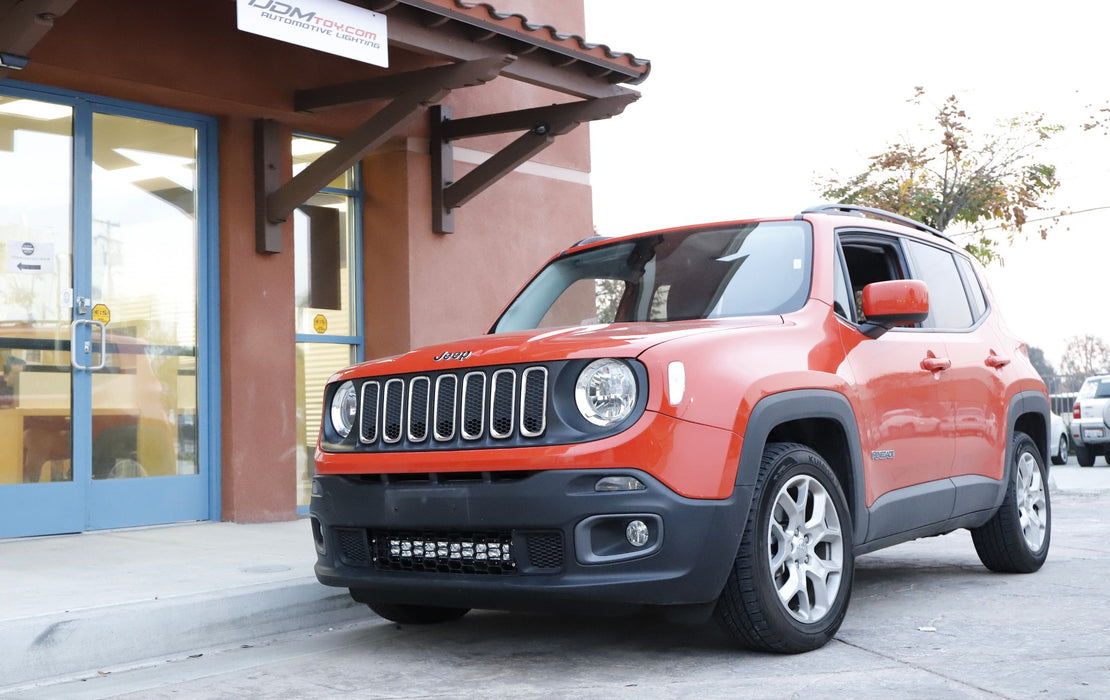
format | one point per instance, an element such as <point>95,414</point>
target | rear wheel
<point>1085,455</point>
<point>1061,456</point>
<point>417,614</point>
<point>789,587</point>
<point>1016,539</point>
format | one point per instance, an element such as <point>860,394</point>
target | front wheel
<point>417,614</point>
<point>789,587</point>
<point>1016,539</point>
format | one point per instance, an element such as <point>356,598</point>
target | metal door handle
<point>936,364</point>
<point>997,361</point>
<point>73,344</point>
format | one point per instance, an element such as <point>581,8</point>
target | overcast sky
<point>747,102</point>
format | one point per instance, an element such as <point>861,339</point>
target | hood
<point>543,345</point>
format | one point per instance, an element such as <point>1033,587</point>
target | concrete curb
<point>83,641</point>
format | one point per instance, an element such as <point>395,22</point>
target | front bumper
<point>566,541</point>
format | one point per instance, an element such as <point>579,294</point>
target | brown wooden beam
<point>389,86</point>
<point>443,169</point>
<point>496,167</point>
<point>431,86</point>
<point>541,124</point>
<point>522,119</point>
<point>268,143</point>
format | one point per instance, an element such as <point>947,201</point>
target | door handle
<point>997,361</point>
<point>73,344</point>
<point>936,364</point>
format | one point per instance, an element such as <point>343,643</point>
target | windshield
<point>740,270</point>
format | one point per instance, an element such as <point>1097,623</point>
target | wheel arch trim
<point>799,405</point>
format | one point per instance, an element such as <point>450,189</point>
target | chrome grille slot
<point>447,389</point>
<point>502,403</point>
<point>474,405</point>
<point>454,409</point>
<point>394,402</point>
<point>371,401</point>
<point>533,402</point>
<point>418,409</point>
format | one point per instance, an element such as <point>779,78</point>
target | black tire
<point>1016,539</point>
<point>1061,454</point>
<point>770,558</point>
<point>1084,455</point>
<point>416,614</point>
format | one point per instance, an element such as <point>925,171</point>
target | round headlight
<point>605,392</point>
<point>344,408</point>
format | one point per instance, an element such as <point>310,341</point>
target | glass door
<point>142,285</point>
<point>99,326</point>
<point>36,192</point>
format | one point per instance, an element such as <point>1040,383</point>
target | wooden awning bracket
<point>540,126</point>
<point>410,93</point>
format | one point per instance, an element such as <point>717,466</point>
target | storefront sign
<point>30,257</point>
<point>325,25</point>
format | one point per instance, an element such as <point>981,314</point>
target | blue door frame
<point>87,504</point>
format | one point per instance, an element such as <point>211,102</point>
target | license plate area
<point>1092,433</point>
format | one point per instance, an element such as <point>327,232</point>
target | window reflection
<point>144,273</point>
<point>36,147</point>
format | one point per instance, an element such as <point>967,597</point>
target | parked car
<point>1058,440</point>
<point>714,419</point>
<point>1090,421</point>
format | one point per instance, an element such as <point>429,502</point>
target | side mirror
<point>893,303</point>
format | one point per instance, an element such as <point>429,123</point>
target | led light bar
<point>445,553</point>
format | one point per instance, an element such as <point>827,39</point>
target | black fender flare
<point>777,409</point>
<point>1022,405</point>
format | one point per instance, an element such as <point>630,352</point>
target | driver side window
<point>869,259</point>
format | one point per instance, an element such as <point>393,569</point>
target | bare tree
<point>1085,355</point>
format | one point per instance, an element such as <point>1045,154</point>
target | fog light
<point>637,533</point>
<point>619,483</point>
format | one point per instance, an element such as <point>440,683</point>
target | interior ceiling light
<point>179,170</point>
<point>33,109</point>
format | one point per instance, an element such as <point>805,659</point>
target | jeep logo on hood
<point>448,355</point>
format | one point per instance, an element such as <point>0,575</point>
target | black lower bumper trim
<point>557,541</point>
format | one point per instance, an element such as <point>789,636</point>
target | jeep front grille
<point>465,407</point>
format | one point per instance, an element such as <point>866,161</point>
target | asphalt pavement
<point>81,606</point>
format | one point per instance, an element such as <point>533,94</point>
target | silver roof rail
<point>856,210</point>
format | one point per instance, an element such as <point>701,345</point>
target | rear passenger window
<point>974,289</point>
<point>948,304</point>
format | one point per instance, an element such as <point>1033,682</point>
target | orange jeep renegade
<point>716,418</point>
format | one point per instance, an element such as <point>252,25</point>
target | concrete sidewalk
<point>73,604</point>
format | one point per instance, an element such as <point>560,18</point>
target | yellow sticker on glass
<point>101,313</point>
